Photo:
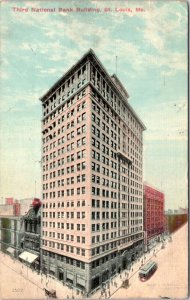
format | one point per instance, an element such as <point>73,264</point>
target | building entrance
<point>61,275</point>
<point>95,282</point>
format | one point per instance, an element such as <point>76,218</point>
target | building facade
<point>31,240</point>
<point>92,214</point>
<point>11,234</point>
<point>14,207</point>
<point>9,201</point>
<point>175,219</point>
<point>16,234</point>
<point>154,216</point>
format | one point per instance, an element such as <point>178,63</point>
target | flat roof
<point>91,53</point>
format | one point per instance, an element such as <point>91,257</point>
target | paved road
<point>170,280</point>
<point>14,285</point>
<point>171,277</point>
<point>17,281</point>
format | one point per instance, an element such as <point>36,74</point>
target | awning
<point>28,257</point>
<point>11,250</point>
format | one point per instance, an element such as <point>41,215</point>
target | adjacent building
<point>20,225</point>
<point>30,244</point>
<point>154,217</point>
<point>92,214</point>
<point>9,201</point>
<point>13,207</point>
<point>11,234</point>
<point>175,219</point>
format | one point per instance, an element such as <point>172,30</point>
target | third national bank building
<point>92,221</point>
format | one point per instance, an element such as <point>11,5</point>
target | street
<point>15,285</point>
<point>170,280</point>
<point>20,282</point>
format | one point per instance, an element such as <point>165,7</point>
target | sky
<point>149,39</point>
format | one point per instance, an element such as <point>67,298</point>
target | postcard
<point>93,143</point>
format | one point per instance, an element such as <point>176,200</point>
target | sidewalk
<point>114,284</point>
<point>170,279</point>
<point>42,281</point>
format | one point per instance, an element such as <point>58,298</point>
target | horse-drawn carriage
<point>125,283</point>
<point>50,293</point>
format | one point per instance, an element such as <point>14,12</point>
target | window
<point>83,141</point>
<point>93,117</point>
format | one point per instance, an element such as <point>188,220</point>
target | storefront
<point>28,258</point>
<point>80,282</point>
<point>11,251</point>
<point>70,277</point>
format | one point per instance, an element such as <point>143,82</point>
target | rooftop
<point>113,81</point>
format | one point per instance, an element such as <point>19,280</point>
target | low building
<point>175,219</point>
<point>11,225</point>
<point>154,218</point>
<point>9,201</point>
<point>13,207</point>
<point>20,229</point>
<point>6,210</point>
<point>11,234</point>
<point>30,244</point>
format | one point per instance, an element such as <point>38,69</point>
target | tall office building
<point>92,221</point>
